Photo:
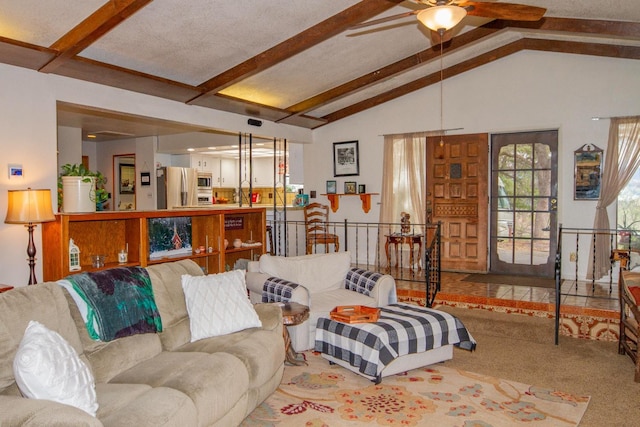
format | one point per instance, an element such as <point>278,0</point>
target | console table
<point>396,239</point>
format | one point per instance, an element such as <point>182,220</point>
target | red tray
<point>355,314</point>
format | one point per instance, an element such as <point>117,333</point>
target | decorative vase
<point>237,243</point>
<point>78,195</point>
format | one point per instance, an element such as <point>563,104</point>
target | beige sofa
<point>149,379</point>
<point>320,281</point>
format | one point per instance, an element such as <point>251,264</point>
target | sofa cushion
<point>47,367</point>
<point>45,303</point>
<point>143,405</point>
<point>218,304</point>
<point>216,383</point>
<point>166,281</point>
<point>316,272</point>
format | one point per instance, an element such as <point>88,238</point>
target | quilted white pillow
<point>47,367</point>
<point>218,304</point>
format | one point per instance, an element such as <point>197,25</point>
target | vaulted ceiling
<point>290,61</point>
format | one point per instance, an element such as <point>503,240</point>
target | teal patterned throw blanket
<point>119,302</point>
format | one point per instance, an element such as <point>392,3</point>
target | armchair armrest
<point>255,285</point>
<point>381,287</point>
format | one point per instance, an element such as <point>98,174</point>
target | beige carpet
<point>521,348</point>
<point>321,394</point>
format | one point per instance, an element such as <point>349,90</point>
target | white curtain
<point>403,184</point>
<point>621,161</point>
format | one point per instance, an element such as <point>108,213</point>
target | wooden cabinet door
<point>457,179</point>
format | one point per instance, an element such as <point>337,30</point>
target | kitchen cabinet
<point>202,163</point>
<point>229,173</point>
<point>108,232</point>
<point>263,172</point>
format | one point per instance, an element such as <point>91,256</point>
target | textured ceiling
<point>294,61</point>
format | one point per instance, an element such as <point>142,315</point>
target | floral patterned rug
<point>328,395</point>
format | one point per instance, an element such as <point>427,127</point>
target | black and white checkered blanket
<point>401,329</point>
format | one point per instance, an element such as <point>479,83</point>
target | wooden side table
<point>396,239</point>
<point>292,314</point>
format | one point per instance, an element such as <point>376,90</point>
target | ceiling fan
<point>442,15</point>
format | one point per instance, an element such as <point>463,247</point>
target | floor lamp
<point>29,207</point>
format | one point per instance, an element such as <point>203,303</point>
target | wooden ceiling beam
<point>91,29</point>
<point>560,46</point>
<point>425,81</point>
<point>571,25</point>
<point>605,28</point>
<point>298,43</point>
<point>388,71</point>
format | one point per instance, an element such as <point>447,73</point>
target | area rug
<point>321,394</point>
<point>507,279</point>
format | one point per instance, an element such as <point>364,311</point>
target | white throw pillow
<point>47,367</point>
<point>218,304</point>
<point>316,272</point>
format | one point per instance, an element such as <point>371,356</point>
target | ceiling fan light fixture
<point>441,18</point>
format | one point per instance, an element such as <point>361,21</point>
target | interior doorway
<point>124,182</point>
<point>524,183</point>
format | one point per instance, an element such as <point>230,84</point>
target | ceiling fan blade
<point>382,20</point>
<point>511,11</point>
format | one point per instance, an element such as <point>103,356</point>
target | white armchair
<point>320,281</point>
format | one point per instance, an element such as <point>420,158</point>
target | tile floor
<point>587,311</point>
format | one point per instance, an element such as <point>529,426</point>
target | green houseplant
<point>78,178</point>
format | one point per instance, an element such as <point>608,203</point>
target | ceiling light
<point>90,135</point>
<point>441,18</point>
<point>212,148</point>
<point>191,149</point>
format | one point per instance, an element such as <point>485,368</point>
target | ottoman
<point>405,337</point>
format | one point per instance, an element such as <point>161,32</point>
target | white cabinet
<point>228,173</point>
<point>263,172</point>
<point>202,163</point>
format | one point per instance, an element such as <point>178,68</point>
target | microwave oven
<point>204,181</point>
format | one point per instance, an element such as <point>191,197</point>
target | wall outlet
<point>271,195</point>
<point>573,257</point>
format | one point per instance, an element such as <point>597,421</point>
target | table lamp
<point>29,207</point>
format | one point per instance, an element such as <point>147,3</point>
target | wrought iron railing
<point>578,246</point>
<point>368,245</point>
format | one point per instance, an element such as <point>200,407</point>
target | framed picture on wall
<point>127,179</point>
<point>346,159</point>
<point>587,174</point>
<point>331,187</point>
<point>350,187</point>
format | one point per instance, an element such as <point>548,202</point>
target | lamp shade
<point>444,18</point>
<point>29,206</point>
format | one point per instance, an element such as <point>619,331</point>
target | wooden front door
<point>457,197</point>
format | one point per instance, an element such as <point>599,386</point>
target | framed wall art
<point>331,187</point>
<point>587,174</point>
<point>350,187</point>
<point>346,158</point>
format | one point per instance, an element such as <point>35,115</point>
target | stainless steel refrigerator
<point>177,187</point>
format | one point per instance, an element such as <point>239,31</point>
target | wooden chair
<point>316,218</point>
<point>629,317</point>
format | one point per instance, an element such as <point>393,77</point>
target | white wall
<point>29,134</point>
<point>523,92</point>
<point>526,91</point>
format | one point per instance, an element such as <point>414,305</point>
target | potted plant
<point>81,190</point>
